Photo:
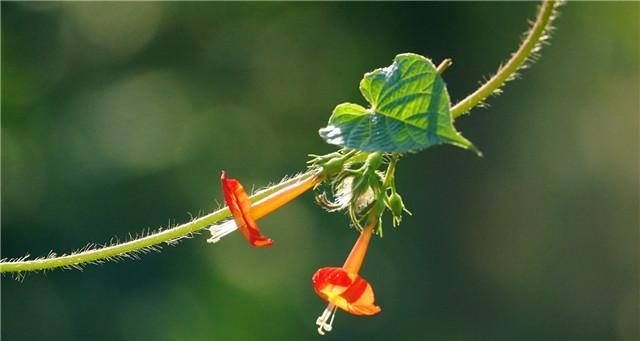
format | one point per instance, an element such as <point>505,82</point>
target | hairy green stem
<point>506,72</point>
<point>168,235</point>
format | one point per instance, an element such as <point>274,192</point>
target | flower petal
<point>348,291</point>
<point>240,207</point>
<point>334,276</point>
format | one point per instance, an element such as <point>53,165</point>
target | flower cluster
<point>342,287</point>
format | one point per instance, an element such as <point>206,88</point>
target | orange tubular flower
<point>240,207</point>
<point>343,288</point>
<point>245,214</point>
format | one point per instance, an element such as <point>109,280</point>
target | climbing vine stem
<point>529,47</point>
<point>164,236</point>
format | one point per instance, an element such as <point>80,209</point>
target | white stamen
<point>328,313</point>
<point>219,231</point>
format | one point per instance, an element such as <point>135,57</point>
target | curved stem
<point>527,48</point>
<point>75,259</point>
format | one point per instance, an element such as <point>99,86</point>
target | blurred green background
<point>119,116</point>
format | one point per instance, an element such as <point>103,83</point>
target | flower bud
<point>333,166</point>
<point>396,205</point>
<point>374,160</point>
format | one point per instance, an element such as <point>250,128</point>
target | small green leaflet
<point>410,110</point>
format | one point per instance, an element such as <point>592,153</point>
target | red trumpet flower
<point>240,207</point>
<point>245,214</point>
<point>343,288</point>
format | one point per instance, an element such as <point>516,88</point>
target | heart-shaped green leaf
<point>410,110</point>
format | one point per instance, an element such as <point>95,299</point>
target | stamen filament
<point>219,231</point>
<point>329,313</point>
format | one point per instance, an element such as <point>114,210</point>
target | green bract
<point>410,110</point>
